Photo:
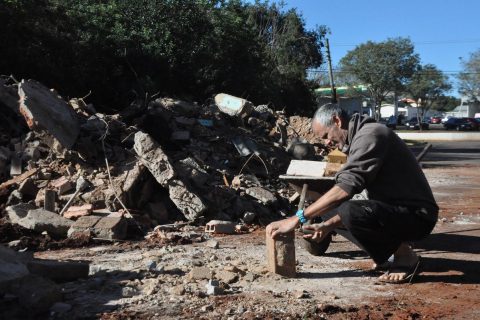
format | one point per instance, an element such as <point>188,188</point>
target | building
<point>466,108</point>
<point>348,99</point>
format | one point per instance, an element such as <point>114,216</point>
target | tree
<point>427,85</point>
<point>469,79</point>
<point>446,103</point>
<point>385,67</point>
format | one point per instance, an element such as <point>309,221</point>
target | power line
<point>428,42</point>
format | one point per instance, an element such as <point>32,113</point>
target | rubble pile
<point>71,171</point>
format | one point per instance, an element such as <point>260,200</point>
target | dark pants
<point>379,228</point>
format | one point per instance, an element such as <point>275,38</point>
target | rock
<point>18,211</point>
<point>220,226</point>
<point>187,202</point>
<point>206,308</point>
<point>60,307</point>
<point>226,276</point>
<point>212,244</point>
<point>250,277</point>
<point>83,224</point>
<point>261,194</point>
<point>233,106</point>
<point>248,217</point>
<point>41,220</point>
<point>301,294</point>
<point>28,188</point>
<point>199,273</point>
<point>177,106</point>
<point>111,228</point>
<point>213,288</point>
<point>43,109</point>
<point>178,290</point>
<point>128,292</point>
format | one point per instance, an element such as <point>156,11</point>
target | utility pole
<point>330,72</point>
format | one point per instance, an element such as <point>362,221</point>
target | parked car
<point>445,119</point>
<point>392,122</point>
<point>413,124</point>
<point>435,120</point>
<point>473,122</point>
<point>458,124</point>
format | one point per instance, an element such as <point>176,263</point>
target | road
<point>451,153</point>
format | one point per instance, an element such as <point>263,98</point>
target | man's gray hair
<point>325,113</point>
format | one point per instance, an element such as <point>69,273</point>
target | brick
<point>63,185</point>
<point>281,254</point>
<point>219,226</point>
<point>75,212</point>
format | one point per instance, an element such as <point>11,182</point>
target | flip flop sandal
<point>381,267</point>
<point>409,271</point>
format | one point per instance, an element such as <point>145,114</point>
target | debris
<point>18,211</point>
<point>63,185</point>
<point>248,217</point>
<point>75,212</point>
<point>80,185</point>
<point>213,288</point>
<point>49,199</point>
<point>41,220</point>
<point>261,194</point>
<point>199,273</point>
<point>43,109</point>
<point>233,106</point>
<point>186,201</point>
<point>212,244</point>
<point>306,168</point>
<point>18,179</point>
<point>226,276</point>
<point>83,224</point>
<point>219,226</point>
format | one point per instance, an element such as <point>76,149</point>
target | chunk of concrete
<point>233,106</point>
<point>153,158</point>
<point>28,188</point>
<point>111,228</point>
<point>18,211</point>
<point>261,194</point>
<point>44,109</point>
<point>186,201</point>
<point>83,224</point>
<point>41,220</point>
<point>200,273</point>
<point>306,168</point>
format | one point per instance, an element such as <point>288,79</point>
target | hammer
<point>81,185</point>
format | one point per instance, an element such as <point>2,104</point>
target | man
<point>400,209</point>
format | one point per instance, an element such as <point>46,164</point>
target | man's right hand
<point>320,231</point>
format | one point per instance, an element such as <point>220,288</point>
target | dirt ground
<point>338,285</point>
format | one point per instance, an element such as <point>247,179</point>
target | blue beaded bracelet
<point>301,217</point>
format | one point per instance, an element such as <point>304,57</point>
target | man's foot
<point>404,266</point>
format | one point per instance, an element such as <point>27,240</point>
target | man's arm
<point>328,201</point>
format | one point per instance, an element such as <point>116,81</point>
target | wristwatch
<point>301,216</point>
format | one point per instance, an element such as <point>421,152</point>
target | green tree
<point>469,78</point>
<point>445,103</point>
<point>385,67</point>
<point>426,86</point>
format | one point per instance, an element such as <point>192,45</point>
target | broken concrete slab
<point>83,224</point>
<point>153,158</point>
<point>111,228</point>
<point>41,220</point>
<point>43,109</point>
<point>186,201</point>
<point>18,211</point>
<point>261,194</point>
<point>233,106</point>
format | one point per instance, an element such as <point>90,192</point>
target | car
<point>458,124</point>
<point>473,122</point>
<point>392,122</point>
<point>435,120</point>
<point>413,124</point>
<point>445,119</point>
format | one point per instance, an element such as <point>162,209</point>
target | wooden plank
<point>18,179</point>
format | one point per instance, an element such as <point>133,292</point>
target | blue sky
<point>442,30</point>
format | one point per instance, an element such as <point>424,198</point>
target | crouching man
<point>400,209</point>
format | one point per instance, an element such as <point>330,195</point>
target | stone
<point>233,106</point>
<point>41,220</point>
<point>189,204</point>
<point>248,217</point>
<point>261,194</point>
<point>199,273</point>
<point>306,168</point>
<point>60,307</point>
<point>18,211</point>
<point>301,294</point>
<point>213,288</point>
<point>212,244</point>
<point>178,290</point>
<point>43,109</point>
<point>111,228</point>
<point>250,277</point>
<point>281,254</point>
<point>49,197</point>
<point>82,224</point>
<point>226,276</point>
<point>220,226</point>
<point>178,106</point>
<point>153,158</point>
<point>59,271</point>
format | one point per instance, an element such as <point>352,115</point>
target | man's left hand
<point>282,226</point>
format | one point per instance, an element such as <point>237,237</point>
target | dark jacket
<point>379,161</point>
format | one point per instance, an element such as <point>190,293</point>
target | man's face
<point>333,134</point>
